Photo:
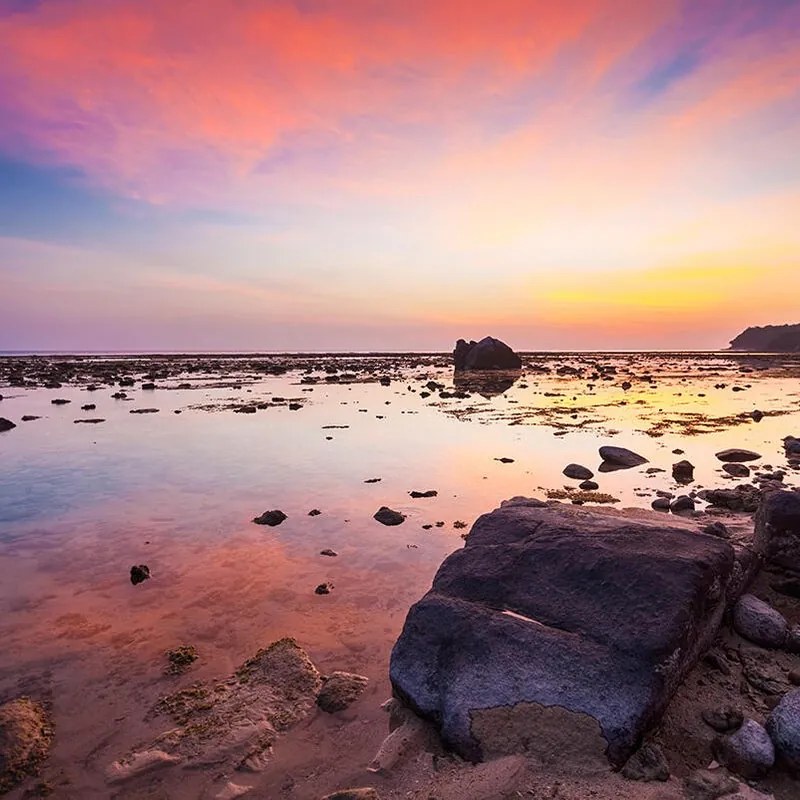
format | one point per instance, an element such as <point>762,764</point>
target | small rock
<point>6,424</point>
<point>386,516</point>
<point>589,486</point>
<point>339,690</point>
<point>683,471</point>
<point>27,418</point>
<point>660,504</point>
<point>505,460</point>
<point>180,659</point>
<point>737,454</point>
<point>783,726</point>
<point>717,529</point>
<point>328,552</point>
<point>271,518</point>
<point>429,493</point>
<point>578,472</point>
<point>89,407</point>
<point>647,764</point>
<point>723,720</point>
<point>736,470</point>
<point>681,504</point>
<point>144,411</point>
<point>748,752</point>
<point>315,512</point>
<point>372,480</point>
<point>60,401</point>
<point>323,588</point>
<point>758,622</point>
<point>139,573</point>
<point>707,784</point>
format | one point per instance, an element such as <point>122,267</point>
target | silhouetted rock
<point>546,621</point>
<point>619,458</point>
<point>6,424</point>
<point>139,573</point>
<point>271,518</point>
<point>488,353</point>
<point>386,516</point>
<point>578,472</point>
<point>683,471</point>
<point>737,454</point>
<point>769,339</point>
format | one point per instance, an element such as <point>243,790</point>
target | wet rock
<point>89,407</point>
<point>647,764</point>
<point>25,738</point>
<point>777,530</point>
<point>148,387</point>
<point>758,622</point>
<point>271,518</point>
<point>660,504</point>
<point>365,793</point>
<point>323,588</point>
<point>737,454</point>
<point>683,471</point>
<point>589,486</point>
<point>682,504</point>
<point>144,411</point>
<point>565,636</point>
<point>707,784</point>
<point>737,470</point>
<point>783,726</point>
<point>339,690</point>
<point>139,573</point>
<point>748,752</point>
<point>89,421</point>
<point>372,480</point>
<point>6,424</point>
<point>488,353</point>
<point>723,720</point>
<point>428,493</point>
<point>743,498</point>
<point>386,516</point>
<point>315,512</point>
<point>328,552</point>
<point>60,401</point>
<point>578,472</point>
<point>620,457</point>
<point>28,418</point>
<point>505,460</point>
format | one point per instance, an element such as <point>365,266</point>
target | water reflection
<point>487,383</point>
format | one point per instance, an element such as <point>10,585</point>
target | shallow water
<point>81,503</point>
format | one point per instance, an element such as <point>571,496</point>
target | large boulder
<point>559,621</point>
<point>488,353</point>
<point>783,726</point>
<point>777,530</point>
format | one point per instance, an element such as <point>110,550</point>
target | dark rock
<point>758,622</point>
<point>736,470</point>
<point>372,480</point>
<point>681,504</point>
<point>743,498</point>
<point>315,512</point>
<point>505,460</point>
<point>769,339</point>
<point>323,588</point>
<point>339,690</point>
<point>25,738</point>
<point>139,573</point>
<point>386,516</point>
<point>683,471</point>
<point>737,454</point>
<point>783,726</point>
<point>747,752</point>
<point>660,504</point>
<point>547,619</point>
<point>144,411</point>
<point>60,401</point>
<point>271,518</point>
<point>328,552</point>
<point>429,493</point>
<point>578,472</point>
<point>148,387</point>
<point>777,529</point>
<point>723,720</point>
<point>620,458</point>
<point>589,486</point>
<point>180,659</point>
<point>89,407</point>
<point>366,793</point>
<point>28,417</point>
<point>90,420</point>
<point>717,529</point>
<point>6,424</point>
<point>488,353</point>
<point>647,764</point>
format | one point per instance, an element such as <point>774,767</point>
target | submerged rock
<point>271,518</point>
<point>386,516</point>
<point>25,738</point>
<point>488,353</point>
<point>545,627</point>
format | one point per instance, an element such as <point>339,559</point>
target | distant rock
<point>271,518</point>
<point>737,454</point>
<point>25,738</point>
<point>620,458</point>
<point>488,353</point>
<point>139,573</point>
<point>427,493</point>
<point>339,690</point>
<point>386,516</point>
<point>60,401</point>
<point>544,633</point>
<point>748,752</point>
<point>783,726</point>
<point>6,424</point>
<point>759,622</point>
<point>769,339</point>
<point>578,472</point>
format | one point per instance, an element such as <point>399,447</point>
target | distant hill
<point>769,339</point>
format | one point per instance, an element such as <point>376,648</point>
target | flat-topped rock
<point>558,619</point>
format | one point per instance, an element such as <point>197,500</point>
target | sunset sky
<point>393,174</point>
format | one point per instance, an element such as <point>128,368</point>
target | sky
<point>395,174</point>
